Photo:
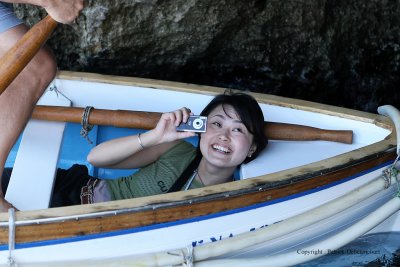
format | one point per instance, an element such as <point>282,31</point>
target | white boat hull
<point>133,243</point>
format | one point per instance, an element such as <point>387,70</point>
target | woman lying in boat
<point>167,163</point>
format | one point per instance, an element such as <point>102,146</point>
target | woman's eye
<point>238,130</point>
<point>217,124</point>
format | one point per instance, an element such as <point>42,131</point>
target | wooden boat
<point>287,191</point>
<point>298,200</point>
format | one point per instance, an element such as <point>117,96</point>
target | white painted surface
<point>32,178</point>
<point>279,155</point>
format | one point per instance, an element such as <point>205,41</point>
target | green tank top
<point>157,177</point>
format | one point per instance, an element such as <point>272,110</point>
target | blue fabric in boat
<point>76,148</point>
<point>106,133</point>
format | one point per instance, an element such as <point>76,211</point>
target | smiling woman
<point>235,135</point>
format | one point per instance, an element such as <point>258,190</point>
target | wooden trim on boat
<point>379,120</point>
<point>262,192</point>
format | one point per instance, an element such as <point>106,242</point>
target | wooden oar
<point>15,60</point>
<point>148,120</point>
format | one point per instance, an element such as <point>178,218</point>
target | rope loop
<point>189,257</point>
<point>396,177</point>
<point>392,173</point>
<point>86,127</point>
<point>389,173</point>
<point>53,88</point>
<point>387,177</point>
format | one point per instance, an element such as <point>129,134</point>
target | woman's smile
<point>221,149</point>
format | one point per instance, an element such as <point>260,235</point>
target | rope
<point>396,176</point>
<point>387,177</point>
<point>86,127</point>
<point>392,172</point>
<point>53,87</point>
<point>11,237</point>
<point>188,258</point>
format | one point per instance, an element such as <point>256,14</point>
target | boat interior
<point>279,155</point>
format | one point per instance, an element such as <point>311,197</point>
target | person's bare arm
<point>127,152</point>
<point>17,102</point>
<point>63,11</point>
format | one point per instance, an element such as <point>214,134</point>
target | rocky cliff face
<point>330,51</point>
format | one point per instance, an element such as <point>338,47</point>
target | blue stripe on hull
<point>186,221</point>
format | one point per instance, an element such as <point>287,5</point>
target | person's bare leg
<point>19,99</point>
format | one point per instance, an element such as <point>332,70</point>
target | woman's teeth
<point>221,148</point>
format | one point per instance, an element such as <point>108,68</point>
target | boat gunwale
<point>202,198</point>
<point>269,99</point>
<point>243,185</point>
<point>93,224</point>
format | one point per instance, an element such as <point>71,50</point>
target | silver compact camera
<point>194,124</point>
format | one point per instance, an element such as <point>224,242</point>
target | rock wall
<point>331,51</point>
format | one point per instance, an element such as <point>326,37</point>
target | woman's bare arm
<point>127,152</point>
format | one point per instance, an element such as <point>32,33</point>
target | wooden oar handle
<point>148,120</point>
<point>286,131</point>
<point>15,59</point>
<point>116,118</point>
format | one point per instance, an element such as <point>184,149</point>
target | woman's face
<point>227,141</point>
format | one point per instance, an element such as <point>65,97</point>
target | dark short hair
<point>249,113</point>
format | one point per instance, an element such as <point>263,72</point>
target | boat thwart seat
<point>35,165</point>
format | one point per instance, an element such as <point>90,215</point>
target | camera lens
<point>197,123</point>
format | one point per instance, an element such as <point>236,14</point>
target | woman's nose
<point>224,135</point>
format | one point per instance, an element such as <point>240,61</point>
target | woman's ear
<point>252,149</point>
